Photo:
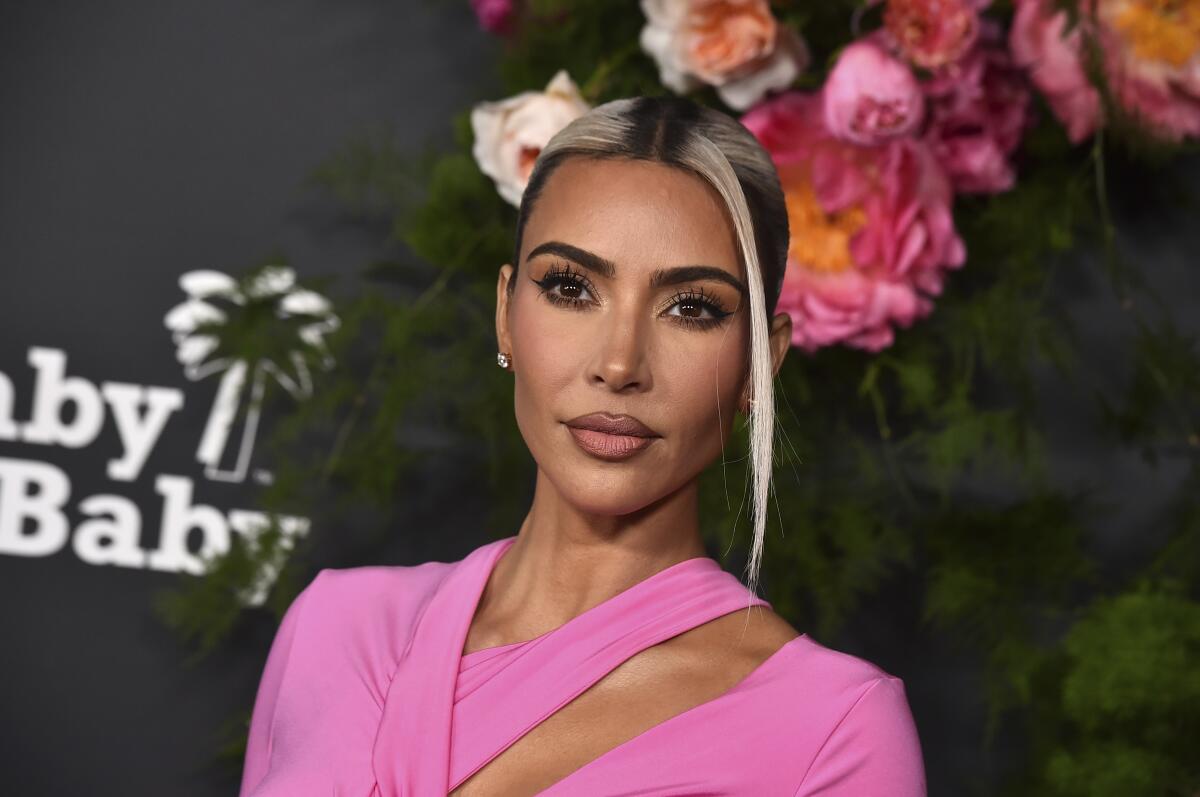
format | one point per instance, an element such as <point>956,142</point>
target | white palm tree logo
<point>262,323</point>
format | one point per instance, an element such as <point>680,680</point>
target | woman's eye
<point>565,288</point>
<point>692,308</point>
<point>570,289</point>
<point>697,312</point>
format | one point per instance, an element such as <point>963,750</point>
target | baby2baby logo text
<point>35,495</point>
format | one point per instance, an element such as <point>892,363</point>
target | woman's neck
<point>565,561</point>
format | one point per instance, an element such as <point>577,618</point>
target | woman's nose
<point>621,362</point>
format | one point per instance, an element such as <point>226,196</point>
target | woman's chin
<point>609,497</point>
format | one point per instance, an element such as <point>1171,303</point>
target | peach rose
<point>510,134</point>
<point>933,33</point>
<point>736,46</point>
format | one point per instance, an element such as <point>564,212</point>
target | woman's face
<point>630,301</point>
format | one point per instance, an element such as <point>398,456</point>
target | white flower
<point>509,134</point>
<point>736,46</point>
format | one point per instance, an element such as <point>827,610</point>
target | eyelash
<point>565,273</point>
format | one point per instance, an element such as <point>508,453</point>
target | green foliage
<point>230,744</point>
<point>1131,696</point>
<point>1162,405</point>
<point>458,190</point>
<point>371,174</point>
<point>1122,653</point>
<point>205,610</point>
<point>597,47</point>
<point>999,577</point>
<point>925,464</point>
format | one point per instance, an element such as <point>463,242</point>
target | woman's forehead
<point>635,213</point>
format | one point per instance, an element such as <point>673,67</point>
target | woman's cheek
<point>547,344</point>
<point>703,381</point>
<point>544,352</point>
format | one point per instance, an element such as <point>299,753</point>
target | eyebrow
<point>659,277</point>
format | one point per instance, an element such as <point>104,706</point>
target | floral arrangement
<point>930,104</point>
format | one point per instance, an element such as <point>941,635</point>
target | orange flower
<point>721,37</point>
<point>932,33</point>
<point>1151,61</point>
<point>819,240</point>
<point>736,46</point>
<point>1158,30</point>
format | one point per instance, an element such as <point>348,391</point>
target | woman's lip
<point>611,447</point>
<point>625,425</point>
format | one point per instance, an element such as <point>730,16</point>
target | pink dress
<point>366,693</point>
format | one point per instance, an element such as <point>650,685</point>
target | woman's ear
<point>781,340</point>
<point>503,339</point>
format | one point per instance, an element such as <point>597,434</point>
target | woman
<point>599,651</point>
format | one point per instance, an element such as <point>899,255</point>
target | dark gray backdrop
<point>142,139</point>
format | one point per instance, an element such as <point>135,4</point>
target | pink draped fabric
<point>366,693</point>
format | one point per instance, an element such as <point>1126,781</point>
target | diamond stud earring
<point>502,359</point>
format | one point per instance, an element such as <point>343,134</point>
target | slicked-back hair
<point>715,147</point>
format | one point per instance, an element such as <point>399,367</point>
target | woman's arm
<point>258,744</point>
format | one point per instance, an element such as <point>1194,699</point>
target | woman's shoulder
<point>357,612</point>
<point>838,670</point>
<point>374,586</point>
<point>862,725</point>
<point>370,597</point>
<point>382,585</point>
<point>818,680</point>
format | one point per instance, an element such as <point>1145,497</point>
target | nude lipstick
<point>611,437</point>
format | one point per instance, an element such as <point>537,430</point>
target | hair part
<point>717,148</point>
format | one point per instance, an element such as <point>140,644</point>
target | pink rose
<point>978,110</point>
<point>932,33</point>
<point>1151,62</point>
<point>1041,43</point>
<point>495,16</point>
<point>870,96</point>
<point>872,233</point>
<point>736,46</point>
